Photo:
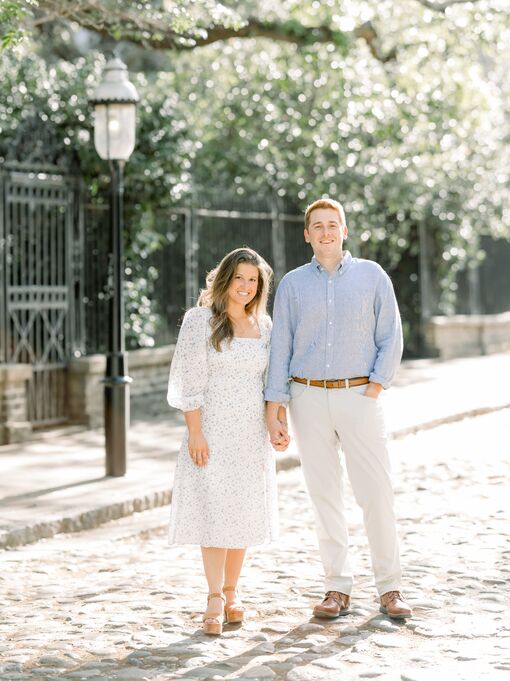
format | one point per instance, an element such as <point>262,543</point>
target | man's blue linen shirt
<point>334,325</point>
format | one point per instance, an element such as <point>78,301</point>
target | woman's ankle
<point>231,594</point>
<point>215,602</point>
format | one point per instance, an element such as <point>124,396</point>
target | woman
<point>224,496</point>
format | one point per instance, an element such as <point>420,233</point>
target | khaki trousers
<point>322,420</point>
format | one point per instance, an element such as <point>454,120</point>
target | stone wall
<point>147,367</point>
<point>14,423</point>
<point>85,390</point>
<point>469,335</point>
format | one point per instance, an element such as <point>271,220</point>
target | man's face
<point>325,233</point>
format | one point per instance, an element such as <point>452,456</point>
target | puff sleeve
<point>266,325</point>
<point>188,372</point>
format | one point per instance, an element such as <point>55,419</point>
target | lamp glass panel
<point>114,131</point>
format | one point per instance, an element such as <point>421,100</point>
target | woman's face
<point>243,287</point>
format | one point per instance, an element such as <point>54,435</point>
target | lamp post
<point>114,103</point>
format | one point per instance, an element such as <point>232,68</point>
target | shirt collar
<point>318,268</point>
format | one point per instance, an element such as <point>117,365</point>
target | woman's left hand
<point>198,448</point>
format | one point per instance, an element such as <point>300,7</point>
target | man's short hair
<point>325,203</point>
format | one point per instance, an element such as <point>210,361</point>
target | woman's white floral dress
<point>231,502</point>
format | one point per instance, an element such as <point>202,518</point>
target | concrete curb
<point>453,418</point>
<point>86,520</point>
<point>93,518</point>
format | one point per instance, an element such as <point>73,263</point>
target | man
<point>336,343</point>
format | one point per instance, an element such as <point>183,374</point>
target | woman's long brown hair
<point>215,295</point>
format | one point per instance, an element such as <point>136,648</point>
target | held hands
<point>198,449</point>
<point>278,435</point>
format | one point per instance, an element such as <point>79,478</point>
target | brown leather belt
<point>338,383</point>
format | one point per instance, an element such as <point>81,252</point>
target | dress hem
<point>222,545</point>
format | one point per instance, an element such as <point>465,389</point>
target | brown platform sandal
<point>234,612</point>
<point>213,623</point>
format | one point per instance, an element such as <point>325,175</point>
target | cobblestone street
<point>117,603</point>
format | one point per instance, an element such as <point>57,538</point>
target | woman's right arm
<point>197,444</point>
<point>188,378</point>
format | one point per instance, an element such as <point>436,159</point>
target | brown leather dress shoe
<point>335,603</point>
<point>394,605</point>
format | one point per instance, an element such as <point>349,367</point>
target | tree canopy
<point>187,24</point>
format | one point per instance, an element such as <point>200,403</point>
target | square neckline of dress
<point>251,337</point>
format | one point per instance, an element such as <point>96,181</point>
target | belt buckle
<point>347,383</point>
<point>324,381</point>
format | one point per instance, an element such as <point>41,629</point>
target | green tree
<point>13,14</point>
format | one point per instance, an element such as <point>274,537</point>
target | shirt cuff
<point>271,395</point>
<point>377,378</point>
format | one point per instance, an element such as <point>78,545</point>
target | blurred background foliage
<point>398,109</point>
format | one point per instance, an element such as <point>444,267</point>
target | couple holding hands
<point>334,343</point>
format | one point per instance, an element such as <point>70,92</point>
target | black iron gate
<point>40,299</point>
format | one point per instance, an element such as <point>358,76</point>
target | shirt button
<point>329,344</point>
<point>330,301</point>
<point>327,365</point>
<point>330,323</point>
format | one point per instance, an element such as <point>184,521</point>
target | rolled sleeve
<point>274,396</point>
<point>388,334</point>
<point>277,387</point>
<point>377,378</point>
<point>188,372</point>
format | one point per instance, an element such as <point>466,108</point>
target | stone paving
<point>117,603</point>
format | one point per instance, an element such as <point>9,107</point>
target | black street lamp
<point>114,103</point>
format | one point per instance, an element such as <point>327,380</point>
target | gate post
<point>3,272</point>
<point>75,256</point>
<point>427,303</point>
<point>277,241</point>
<point>191,255</point>
<point>473,276</point>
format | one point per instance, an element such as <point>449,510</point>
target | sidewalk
<point>57,484</point>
